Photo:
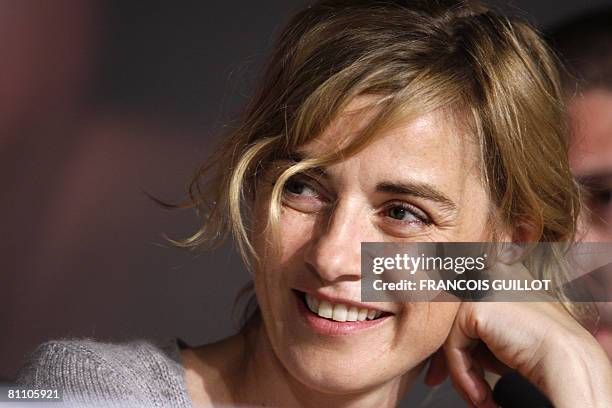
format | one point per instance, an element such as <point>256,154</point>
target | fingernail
<point>488,401</point>
<point>477,394</point>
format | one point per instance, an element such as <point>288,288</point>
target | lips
<point>339,312</point>
<point>333,318</point>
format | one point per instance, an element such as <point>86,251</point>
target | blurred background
<point>101,101</point>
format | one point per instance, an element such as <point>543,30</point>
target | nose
<point>334,252</point>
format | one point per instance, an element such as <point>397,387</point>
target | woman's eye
<point>299,187</point>
<point>302,196</point>
<point>401,214</point>
<point>407,214</point>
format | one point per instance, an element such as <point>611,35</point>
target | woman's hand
<point>540,340</point>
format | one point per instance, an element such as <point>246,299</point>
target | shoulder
<point>141,370</point>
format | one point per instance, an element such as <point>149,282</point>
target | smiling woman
<point>389,121</point>
<point>369,196</point>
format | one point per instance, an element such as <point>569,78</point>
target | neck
<point>262,380</point>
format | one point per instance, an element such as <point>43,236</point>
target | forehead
<point>429,146</point>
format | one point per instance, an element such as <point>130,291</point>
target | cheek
<point>425,326</point>
<point>295,223</point>
<point>294,232</point>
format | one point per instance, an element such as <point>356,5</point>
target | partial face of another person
<point>417,182</point>
<point>591,161</point>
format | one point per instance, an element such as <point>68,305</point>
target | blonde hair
<point>493,72</point>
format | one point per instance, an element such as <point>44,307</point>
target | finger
<point>480,372</point>
<point>462,393</point>
<point>464,370</point>
<point>437,371</point>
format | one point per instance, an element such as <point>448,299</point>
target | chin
<point>333,371</point>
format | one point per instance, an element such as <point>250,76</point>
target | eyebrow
<point>415,189</point>
<point>299,156</point>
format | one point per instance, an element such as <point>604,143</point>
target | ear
<point>513,237</point>
<point>526,231</point>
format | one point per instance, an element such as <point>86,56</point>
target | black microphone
<point>514,391</point>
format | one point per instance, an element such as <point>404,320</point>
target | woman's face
<point>418,182</point>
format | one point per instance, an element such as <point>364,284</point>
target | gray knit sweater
<point>139,373</point>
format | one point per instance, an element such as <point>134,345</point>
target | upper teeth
<point>340,312</point>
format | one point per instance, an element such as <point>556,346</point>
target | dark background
<point>99,102</point>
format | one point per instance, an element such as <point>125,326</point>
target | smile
<point>339,312</point>
<point>329,318</point>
